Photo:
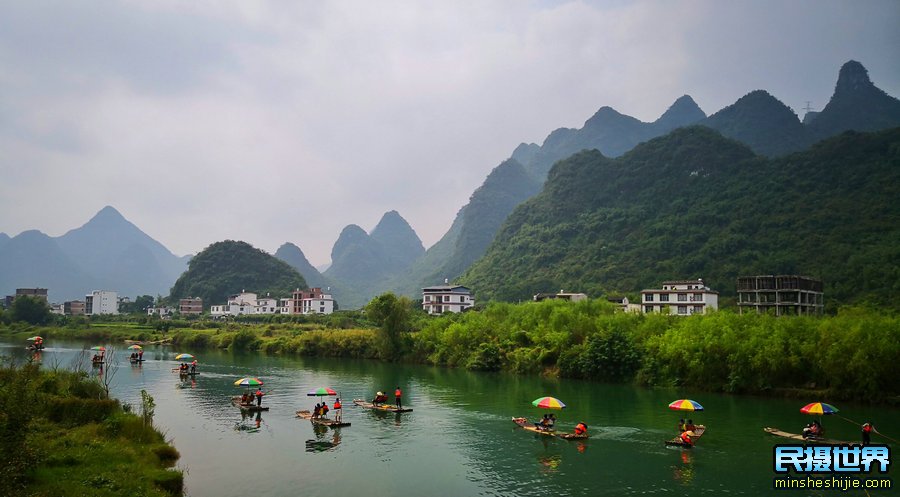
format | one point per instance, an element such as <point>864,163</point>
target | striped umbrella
<point>99,347</point>
<point>135,347</point>
<point>321,391</point>
<point>248,382</point>
<point>685,405</point>
<point>180,357</point>
<point>548,403</point>
<point>819,409</point>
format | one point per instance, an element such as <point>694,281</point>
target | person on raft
<point>397,395</point>
<point>687,437</point>
<point>317,411</point>
<point>867,433</point>
<point>544,424</point>
<point>337,410</point>
<point>259,396</point>
<point>380,398</point>
<point>813,430</point>
<point>581,429</point>
<point>681,426</point>
<point>690,425</point>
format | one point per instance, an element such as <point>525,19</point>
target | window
<point>648,297</point>
<point>682,297</point>
<point>664,297</point>
<point>698,309</point>
<point>438,309</point>
<point>682,309</point>
<point>446,298</point>
<point>698,297</point>
<point>648,308</point>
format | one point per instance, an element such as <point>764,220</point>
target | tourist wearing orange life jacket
<point>867,433</point>
<point>259,396</point>
<point>397,395</point>
<point>686,437</point>
<point>581,429</point>
<point>337,410</point>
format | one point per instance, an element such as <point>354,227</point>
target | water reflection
<point>550,464</point>
<point>323,442</point>
<point>249,422</point>
<point>684,473</point>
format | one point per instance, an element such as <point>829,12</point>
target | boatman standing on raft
<point>259,395</point>
<point>397,395</point>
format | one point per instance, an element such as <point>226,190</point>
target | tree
<point>31,310</point>
<point>392,315</point>
<point>139,306</point>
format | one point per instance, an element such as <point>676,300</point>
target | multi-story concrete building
<point>101,302</point>
<point>781,294</point>
<point>73,308</point>
<point>682,297</point>
<point>311,301</point>
<point>191,305</point>
<point>241,303</point>
<point>38,293</point>
<point>446,298</point>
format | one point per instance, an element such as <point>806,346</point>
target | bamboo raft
<point>799,438</point>
<point>698,430</point>
<point>321,421</point>
<point>525,425</point>
<point>381,407</point>
<point>236,400</point>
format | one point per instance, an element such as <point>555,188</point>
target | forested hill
<point>229,267</point>
<point>693,204</point>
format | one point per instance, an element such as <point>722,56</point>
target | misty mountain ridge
<point>108,252</point>
<point>362,264</point>
<point>757,119</point>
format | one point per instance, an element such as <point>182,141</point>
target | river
<point>459,440</point>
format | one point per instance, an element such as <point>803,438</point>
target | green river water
<point>459,439</point>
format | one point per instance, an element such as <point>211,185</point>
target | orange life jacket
<point>397,393</point>
<point>337,404</point>
<point>580,429</point>
<point>867,428</point>
<point>686,438</point>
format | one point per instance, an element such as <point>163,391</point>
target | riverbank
<point>852,355</point>
<point>62,437</point>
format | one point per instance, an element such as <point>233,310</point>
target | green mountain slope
<point>695,204</point>
<point>228,267</point>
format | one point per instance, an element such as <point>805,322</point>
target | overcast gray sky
<point>285,121</point>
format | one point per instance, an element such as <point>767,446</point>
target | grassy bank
<point>59,436</point>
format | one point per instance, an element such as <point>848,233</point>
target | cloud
<point>285,121</point>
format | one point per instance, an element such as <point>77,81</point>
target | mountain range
<point>108,252</point>
<point>759,120</point>
<point>695,204</point>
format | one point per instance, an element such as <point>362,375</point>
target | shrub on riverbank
<point>852,355</point>
<point>59,436</point>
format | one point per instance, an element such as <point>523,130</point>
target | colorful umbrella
<point>135,347</point>
<point>183,356</point>
<point>819,409</point>
<point>685,405</point>
<point>34,338</point>
<point>248,382</point>
<point>99,347</point>
<point>321,391</point>
<point>548,403</point>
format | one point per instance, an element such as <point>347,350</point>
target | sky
<point>273,122</point>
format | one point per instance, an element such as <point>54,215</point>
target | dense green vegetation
<point>226,268</point>
<point>695,204</point>
<point>61,436</point>
<point>853,355</point>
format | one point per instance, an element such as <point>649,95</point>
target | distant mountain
<point>857,104</point>
<point>399,241</point>
<point>757,119</point>
<point>292,255</point>
<point>3,239</point>
<point>761,122</point>
<point>108,252</point>
<point>229,267</point>
<point>34,260</point>
<point>362,265</point>
<point>696,204</point>
<point>518,178</point>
